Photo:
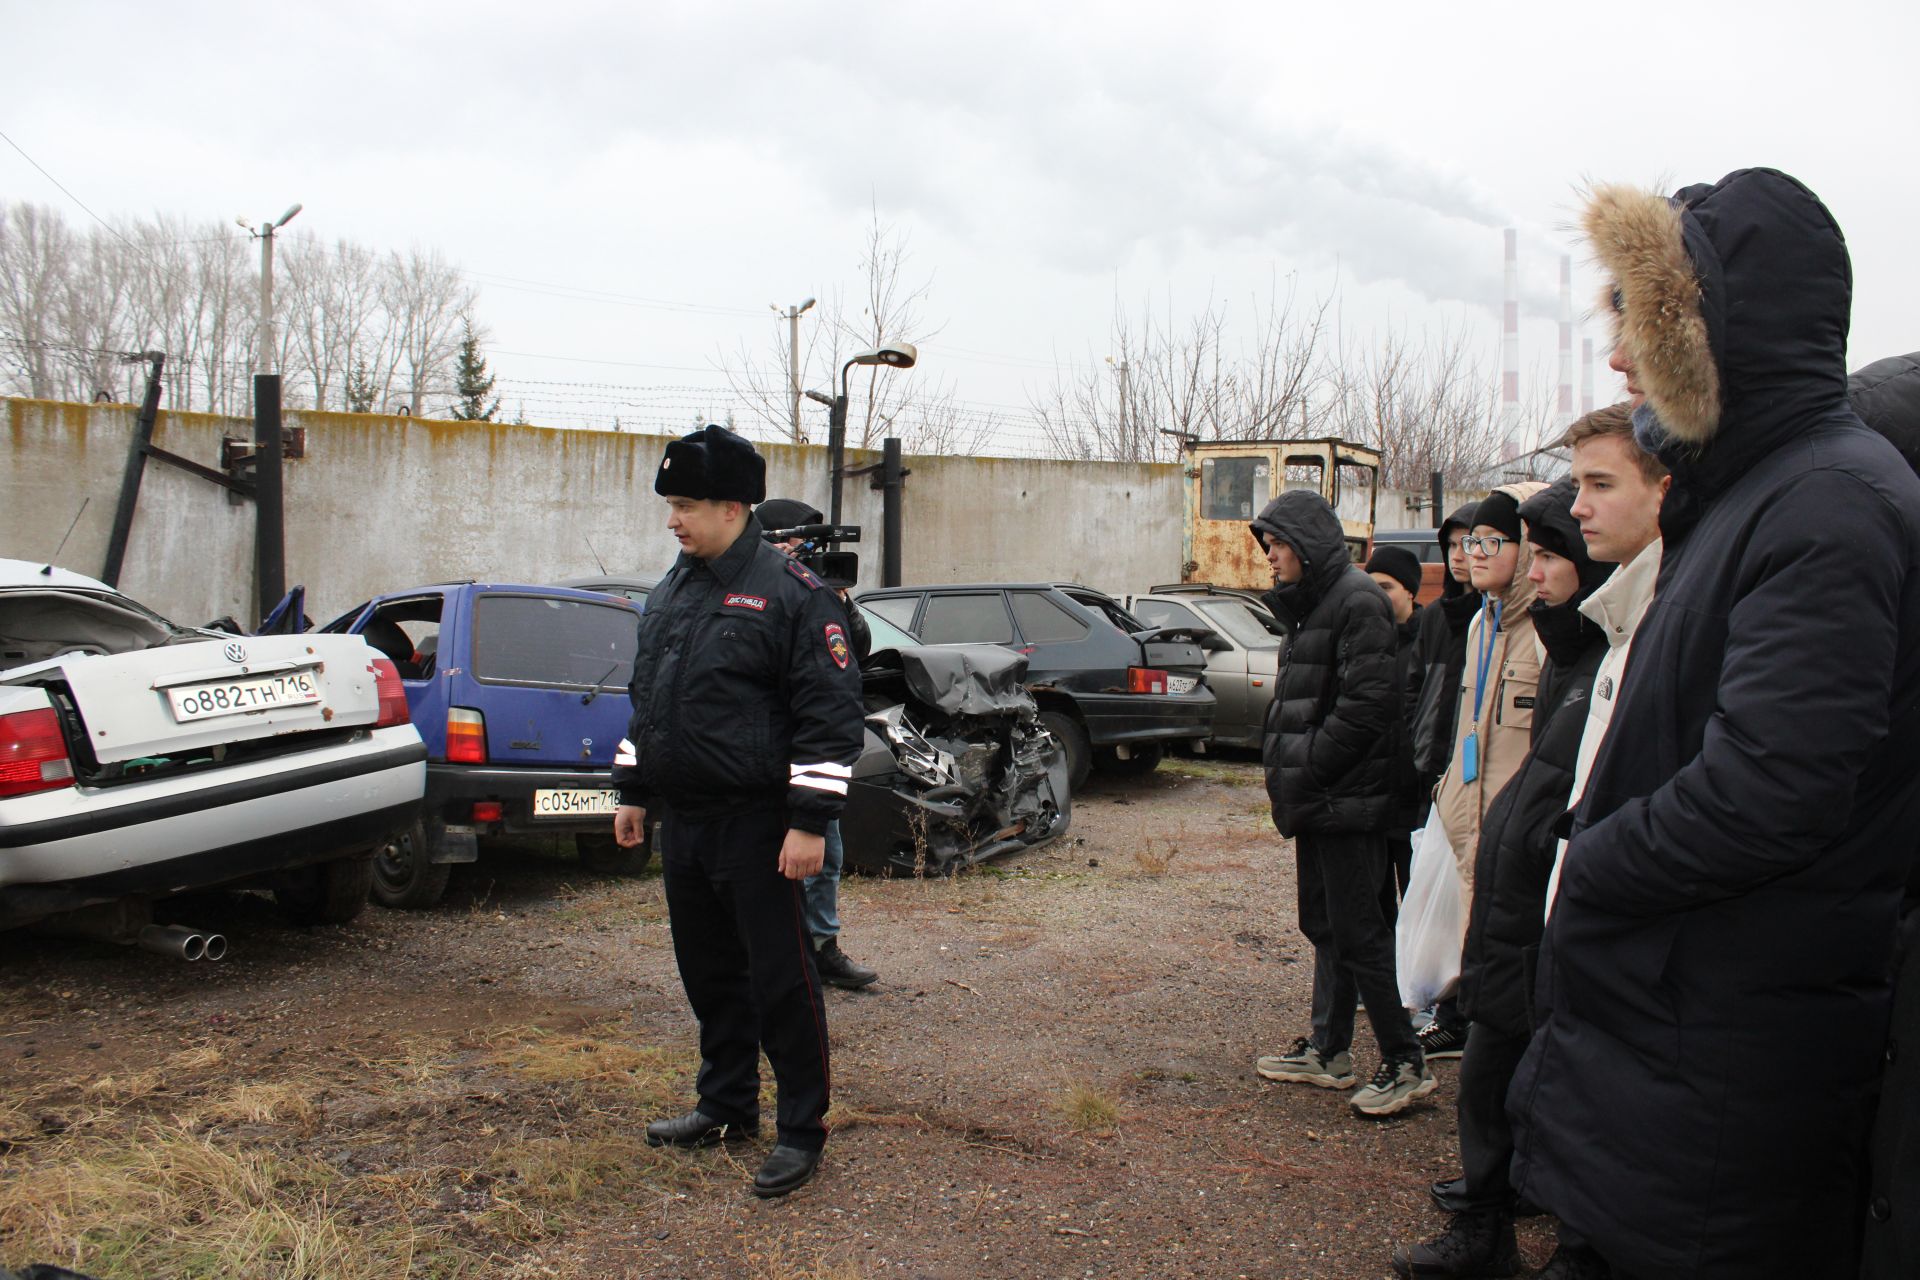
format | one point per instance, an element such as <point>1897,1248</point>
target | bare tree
<point>1428,405</point>
<point>36,257</point>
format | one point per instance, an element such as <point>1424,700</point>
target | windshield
<point>1240,622</point>
<point>885,634</point>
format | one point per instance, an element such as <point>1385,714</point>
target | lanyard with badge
<point>1470,749</point>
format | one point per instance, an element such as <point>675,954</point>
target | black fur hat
<point>715,463</point>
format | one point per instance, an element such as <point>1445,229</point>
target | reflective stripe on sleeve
<point>824,770</point>
<point>623,754</point>
<point>833,785</point>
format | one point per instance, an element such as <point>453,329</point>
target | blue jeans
<point>823,890</point>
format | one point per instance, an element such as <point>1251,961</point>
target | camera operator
<point>823,890</point>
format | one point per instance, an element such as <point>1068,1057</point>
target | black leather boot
<point>697,1129</point>
<point>786,1169</point>
<point>838,971</point>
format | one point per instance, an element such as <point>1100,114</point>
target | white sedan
<point>139,758</point>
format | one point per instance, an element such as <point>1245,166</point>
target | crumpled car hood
<point>968,679</point>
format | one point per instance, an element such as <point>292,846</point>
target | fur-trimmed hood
<point>1733,302</point>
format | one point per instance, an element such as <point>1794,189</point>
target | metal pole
<point>269,543</point>
<point>136,467</point>
<point>264,362</point>
<point>793,366</point>
<point>1438,482</point>
<point>836,449</point>
<point>890,487</point>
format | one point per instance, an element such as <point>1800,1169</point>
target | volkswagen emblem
<point>236,652</point>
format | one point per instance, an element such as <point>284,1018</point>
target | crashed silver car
<point>140,758</point>
<point>957,766</point>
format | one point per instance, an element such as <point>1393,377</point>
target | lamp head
<point>897,355</point>
<point>287,217</point>
<point>807,305</point>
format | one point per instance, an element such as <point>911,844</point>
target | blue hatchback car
<point>520,694</point>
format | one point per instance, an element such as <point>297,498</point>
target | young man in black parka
<point>1328,750</point>
<point>1515,857</point>
<point>1736,863</point>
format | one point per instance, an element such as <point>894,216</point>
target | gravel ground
<point>1053,1076</point>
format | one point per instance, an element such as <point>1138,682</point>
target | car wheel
<point>1139,760</point>
<point>600,852</point>
<point>1073,740</point>
<point>404,873</point>
<point>329,893</point>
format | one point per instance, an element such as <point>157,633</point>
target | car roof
<point>986,586</point>
<point>1406,535</point>
<point>647,580</point>
<point>38,573</point>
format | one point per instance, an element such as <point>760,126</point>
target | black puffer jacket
<point>1441,652</point>
<point>1331,729</point>
<point>1411,791</point>
<point>1517,839</point>
<point>1737,861</point>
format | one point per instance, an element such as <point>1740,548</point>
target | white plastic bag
<point>1433,920</point>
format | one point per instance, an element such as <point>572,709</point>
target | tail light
<point>392,694</point>
<point>488,811</point>
<point>1146,680</point>
<point>466,736</point>
<point>33,753</point>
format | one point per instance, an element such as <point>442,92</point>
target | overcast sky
<point>1045,159</point>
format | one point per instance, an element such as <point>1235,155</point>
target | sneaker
<point>1574,1262</point>
<point>1303,1064</point>
<point>1440,1041</point>
<point>1394,1087</point>
<point>1474,1244</point>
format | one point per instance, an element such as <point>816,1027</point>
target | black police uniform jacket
<point>1334,723</point>
<point>1715,971</point>
<point>746,691</point>
<point>1519,837</point>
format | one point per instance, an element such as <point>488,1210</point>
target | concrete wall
<point>381,503</point>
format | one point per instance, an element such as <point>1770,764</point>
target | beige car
<point>1243,652</point>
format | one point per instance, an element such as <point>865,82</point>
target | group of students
<point>1668,716</point>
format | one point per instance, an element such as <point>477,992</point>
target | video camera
<point>838,569</point>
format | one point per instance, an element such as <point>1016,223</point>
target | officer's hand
<point>802,854</point>
<point>629,825</point>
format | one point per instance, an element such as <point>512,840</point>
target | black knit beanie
<point>1499,511</point>
<point>1399,564</point>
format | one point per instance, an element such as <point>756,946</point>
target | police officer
<point>822,891</point>
<point>746,724</point>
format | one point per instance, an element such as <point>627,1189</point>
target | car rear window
<point>1165,613</point>
<point>554,642</point>
<point>967,619</point>
<point>1043,621</point>
<point>895,609</point>
<point>1242,623</point>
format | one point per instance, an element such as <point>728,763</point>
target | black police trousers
<point>746,961</point>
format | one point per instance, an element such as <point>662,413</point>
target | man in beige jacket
<point>1497,690</point>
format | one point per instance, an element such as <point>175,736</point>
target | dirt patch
<point>1051,1078</point>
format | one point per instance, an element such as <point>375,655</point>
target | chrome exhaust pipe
<point>216,947</point>
<point>178,940</point>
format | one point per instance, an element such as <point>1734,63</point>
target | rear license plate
<point>574,803</point>
<point>1182,684</point>
<point>237,697</point>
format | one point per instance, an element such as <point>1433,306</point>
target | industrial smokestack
<point>1586,376</point>
<point>1563,408</point>
<point>1510,352</point>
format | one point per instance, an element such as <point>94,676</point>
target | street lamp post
<point>895,355</point>
<point>793,315</point>
<point>269,542</point>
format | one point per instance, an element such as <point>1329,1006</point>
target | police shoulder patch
<point>837,647</point>
<point>805,574</point>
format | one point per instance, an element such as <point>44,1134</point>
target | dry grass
<point>263,1103</point>
<point>1155,857</point>
<point>1229,775</point>
<point>1087,1109</point>
<point>776,1260</point>
<point>595,1059</point>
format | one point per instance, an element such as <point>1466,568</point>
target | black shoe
<point>1575,1262</point>
<point>787,1169</point>
<point>1437,1041</point>
<point>1480,1243</point>
<point>1449,1195</point>
<point>836,970</point>
<point>697,1129</point>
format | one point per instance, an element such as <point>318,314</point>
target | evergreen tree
<point>473,383</point>
<point>361,393</point>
